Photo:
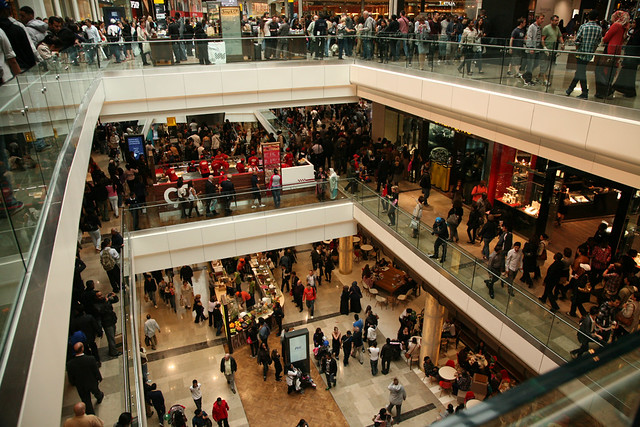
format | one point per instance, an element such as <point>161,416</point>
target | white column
<point>57,10</point>
<point>76,11</point>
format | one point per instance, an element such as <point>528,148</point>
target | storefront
<point>526,191</point>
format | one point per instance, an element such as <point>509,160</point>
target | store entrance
<point>585,201</point>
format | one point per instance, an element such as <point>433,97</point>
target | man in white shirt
<point>150,329</point>
<point>374,355</point>
<point>93,35</point>
<point>196,394</point>
<point>114,36</point>
<point>8,60</point>
<point>513,264</point>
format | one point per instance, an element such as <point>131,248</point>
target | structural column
<point>345,255</point>
<point>431,329</point>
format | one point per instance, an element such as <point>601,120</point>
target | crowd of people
<point>429,38</point>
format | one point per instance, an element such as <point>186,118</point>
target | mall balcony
<point>49,115</point>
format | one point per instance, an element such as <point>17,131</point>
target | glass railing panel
<point>11,258</point>
<point>563,338</point>
<point>596,390</point>
<point>460,264</point>
<point>403,220</point>
<point>484,280</point>
<point>531,316</point>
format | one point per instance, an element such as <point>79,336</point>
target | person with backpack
<point>320,29</point>
<point>441,230</point>
<point>114,37</point>
<point>109,259</point>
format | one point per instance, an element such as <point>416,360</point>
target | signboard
<point>231,30</point>
<point>217,52</point>
<point>296,349</point>
<point>135,144</point>
<point>270,159</point>
<point>258,9</point>
<point>171,121</point>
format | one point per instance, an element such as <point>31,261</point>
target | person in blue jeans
<point>441,230</point>
<point>275,185</point>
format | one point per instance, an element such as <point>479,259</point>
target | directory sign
<point>135,144</point>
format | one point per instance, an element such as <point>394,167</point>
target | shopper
<point>441,230</point>
<point>275,357</point>
<point>150,329</point>
<point>397,395</point>
<point>196,394</point>
<point>229,367</point>
<point>220,412</point>
<point>357,344</point>
<point>310,297</point>
<point>374,355</point>
<point>386,354</point>
<point>330,370</point>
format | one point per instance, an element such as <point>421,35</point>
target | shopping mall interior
<point>541,164</point>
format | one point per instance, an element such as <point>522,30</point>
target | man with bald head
<point>84,374</point>
<point>81,419</point>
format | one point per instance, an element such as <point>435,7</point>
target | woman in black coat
<point>344,300</point>
<point>529,259</point>
<point>354,298</point>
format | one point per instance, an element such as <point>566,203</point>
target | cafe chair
<point>392,301</point>
<point>451,363</point>
<point>358,255</point>
<point>381,301</point>
<point>404,297</point>
<point>444,345</point>
<point>366,287</point>
<point>445,386</point>
<point>373,291</point>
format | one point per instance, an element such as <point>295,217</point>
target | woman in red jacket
<point>607,65</point>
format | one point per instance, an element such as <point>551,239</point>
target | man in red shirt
<point>288,158</point>
<point>310,297</point>
<point>204,167</point>
<point>253,160</point>
<point>220,412</point>
<point>247,299</point>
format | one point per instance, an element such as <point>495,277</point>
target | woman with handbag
<point>417,217</point>
<point>467,44</point>
<point>607,65</point>
<point>454,218</point>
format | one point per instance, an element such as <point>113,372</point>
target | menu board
<point>231,29</point>
<point>270,158</point>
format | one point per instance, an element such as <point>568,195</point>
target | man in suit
<point>84,374</point>
<point>586,334</point>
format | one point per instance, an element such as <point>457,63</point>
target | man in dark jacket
<point>441,230</point>
<point>330,370</point>
<point>108,319</point>
<point>85,375</point>
<point>229,367</point>
<point>156,398</point>
<point>552,279</point>
<point>586,334</point>
<point>210,192</point>
<point>298,291</point>
<point>488,232</point>
<point>90,328</point>
<point>386,354</point>
<point>227,189</point>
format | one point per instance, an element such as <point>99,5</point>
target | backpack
<point>107,260</point>
<point>320,27</point>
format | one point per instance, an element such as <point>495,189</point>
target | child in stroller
<point>177,418</point>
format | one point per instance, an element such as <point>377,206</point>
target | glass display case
<point>524,193</point>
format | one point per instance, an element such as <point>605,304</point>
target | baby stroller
<point>177,418</point>
<point>305,381</point>
<point>320,353</point>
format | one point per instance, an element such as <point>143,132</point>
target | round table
<point>326,242</point>
<point>356,239</point>
<point>471,403</point>
<point>366,248</point>
<point>447,373</point>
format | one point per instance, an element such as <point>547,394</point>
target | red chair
<point>445,386</point>
<point>451,363</point>
<point>470,395</point>
<point>505,375</point>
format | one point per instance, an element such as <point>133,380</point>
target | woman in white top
<point>417,217</point>
<point>467,42</point>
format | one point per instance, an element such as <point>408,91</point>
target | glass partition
<point>505,296</point>
<point>597,390</point>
